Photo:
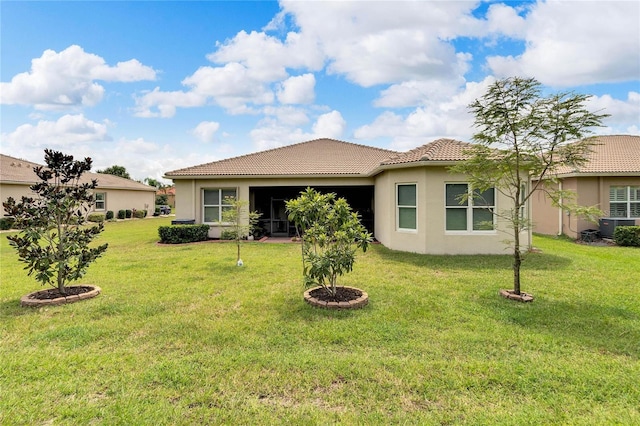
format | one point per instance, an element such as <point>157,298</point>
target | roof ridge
<point>271,150</point>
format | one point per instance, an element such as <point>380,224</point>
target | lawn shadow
<point>532,261</point>
<point>13,308</point>
<point>601,328</point>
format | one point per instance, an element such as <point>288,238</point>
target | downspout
<point>194,203</point>
<point>560,211</point>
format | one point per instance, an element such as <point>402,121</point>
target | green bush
<point>179,234</point>
<point>627,236</point>
<point>128,213</point>
<point>96,217</point>
<point>6,223</point>
<point>140,214</point>
<point>228,234</point>
<point>109,215</point>
<point>121,214</point>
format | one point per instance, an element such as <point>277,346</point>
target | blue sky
<point>156,86</point>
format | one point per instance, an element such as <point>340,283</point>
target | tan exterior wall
<point>189,192</point>
<point>590,191</point>
<point>430,236</point>
<point>545,215</point>
<point>121,199</point>
<point>116,199</point>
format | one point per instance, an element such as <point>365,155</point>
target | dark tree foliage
<point>116,171</point>
<point>54,240</point>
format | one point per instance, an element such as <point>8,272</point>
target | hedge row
<point>6,223</point>
<point>179,234</point>
<point>627,236</point>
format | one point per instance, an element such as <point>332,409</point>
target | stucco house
<point>113,192</point>
<point>610,180</point>
<point>407,199</point>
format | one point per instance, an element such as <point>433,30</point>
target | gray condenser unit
<point>608,225</point>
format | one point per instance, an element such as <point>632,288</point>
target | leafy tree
<point>116,171</point>
<point>154,182</point>
<point>54,243</point>
<point>523,139</point>
<point>162,200</point>
<point>331,235</point>
<point>235,215</point>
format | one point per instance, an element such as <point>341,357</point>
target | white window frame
<point>103,201</point>
<point>627,200</point>
<point>469,209</point>
<point>398,207</point>
<point>220,204</point>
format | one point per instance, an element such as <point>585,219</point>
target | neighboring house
<point>610,180</point>
<point>113,192</point>
<point>408,200</point>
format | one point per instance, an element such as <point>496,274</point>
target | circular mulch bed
<point>346,298</point>
<point>53,296</point>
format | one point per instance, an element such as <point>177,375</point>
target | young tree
<point>54,243</point>
<point>116,171</point>
<point>526,137</point>
<point>331,234</point>
<point>235,215</point>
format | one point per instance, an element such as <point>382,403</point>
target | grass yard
<point>180,335</point>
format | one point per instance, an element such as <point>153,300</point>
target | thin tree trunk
<point>517,262</point>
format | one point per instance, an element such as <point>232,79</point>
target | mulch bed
<point>343,294</point>
<point>54,293</point>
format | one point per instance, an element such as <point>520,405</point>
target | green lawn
<point>180,335</point>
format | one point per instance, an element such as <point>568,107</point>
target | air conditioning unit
<point>608,225</point>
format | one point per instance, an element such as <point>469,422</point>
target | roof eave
<point>432,163</point>
<point>598,174</point>
<point>263,176</point>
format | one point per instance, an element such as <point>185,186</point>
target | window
<point>406,206</point>
<point>214,202</point>
<point>624,201</point>
<point>468,211</point>
<point>101,200</point>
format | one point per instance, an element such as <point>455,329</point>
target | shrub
<point>140,214</point>
<point>121,214</point>
<point>627,236</point>
<point>96,217</point>
<point>109,215</point>
<point>331,234</point>
<point>228,234</point>
<point>128,213</point>
<point>179,234</point>
<point>6,223</point>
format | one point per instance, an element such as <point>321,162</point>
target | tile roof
<point>611,155</point>
<point>438,150</point>
<point>18,171</point>
<point>315,157</point>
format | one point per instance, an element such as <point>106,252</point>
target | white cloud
<point>206,130</point>
<point>163,104</point>
<point>504,20</point>
<point>68,130</point>
<point>434,120</point>
<point>270,133</point>
<point>297,90</point>
<point>577,43</point>
<point>68,79</point>
<point>267,57</point>
<point>287,115</point>
<point>385,42</point>
<point>329,125</point>
<point>624,114</point>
